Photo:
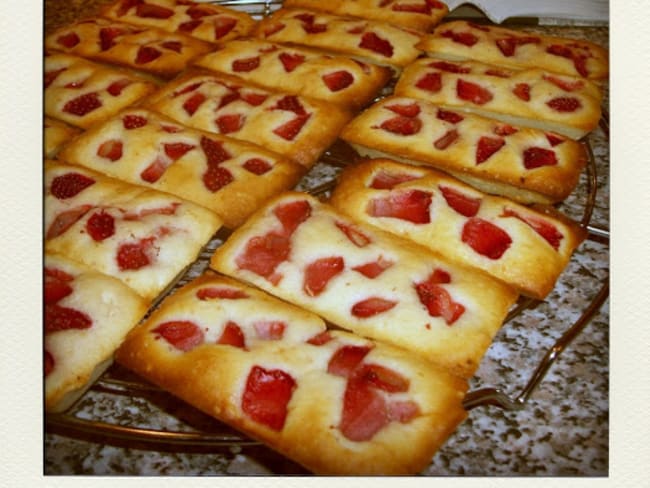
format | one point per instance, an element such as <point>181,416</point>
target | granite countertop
<point>562,429</point>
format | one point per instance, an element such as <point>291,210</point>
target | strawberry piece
<point>197,11</point>
<point>289,130</point>
<point>449,116</point>
<point>486,147</point>
<point>257,166</point>
<point>107,37</point>
<point>292,214</point>
<point>100,226</point>
<point>187,89</point>
<point>246,64</point>
<point>485,238</point>
<point>405,109</point>
<point>273,29</point>
<point>382,378</point>
<point>131,121</point>
<point>69,185</point>
<point>175,46</point>
<point>147,54</point>
<point>168,210</point>
<point>223,26</point>
<point>83,104</point>
<point>229,123</point>
<point>270,330</point>
<point>449,67</point>
<point>216,177</point>
<point>291,61</point>
<point>171,129</point>
<point>155,170</point>
<point>189,26</point>
<point>266,396</point>
<point>364,411</point>
<point>410,205</point>
<point>59,318</point>
<point>346,359</point>
<point>65,220</point>
<point>214,151</point>
<point>355,236</point>
<point>522,91</point>
<point>55,290</point>
<point>132,256</point>
<point>338,80</point>
<point>182,334</point>
<point>461,203</point>
<point>127,5</point>
<point>50,76</point>
<point>373,269</point>
<point>431,82</point>
<point>212,292</point>
<point>508,45</point>
<point>371,307</point>
<point>290,103</point>
<point>471,92</point>
<point>263,254</point>
<point>193,103</point>
<point>438,301</point>
<point>496,72</point>
<point>118,86</point>
<point>466,38</point>
<point>404,126</point>
<point>564,84</point>
<point>555,139</point>
<point>151,11</point>
<point>319,273</point>
<point>254,99</point>
<point>232,335</point>
<point>564,104</point>
<point>48,363</point>
<point>536,157</point>
<point>176,150</point>
<point>373,42</point>
<point>545,229</point>
<point>385,180</point>
<point>68,40</point>
<point>446,140</point>
<point>111,149</point>
<point>229,98</point>
<point>309,25</point>
<point>579,61</point>
<point>403,411</point>
<point>320,339</point>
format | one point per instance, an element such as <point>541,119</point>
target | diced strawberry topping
<point>466,38</point>
<point>246,64</point>
<point>273,29</point>
<point>320,339</point>
<point>485,238</point>
<point>148,10</point>
<point>338,80</point>
<point>216,177</point>
<point>355,236</point>
<point>431,82</point>
<point>111,149</point>
<point>504,130</point>
<point>253,99</point>
<point>68,40</point>
<point>486,147</point>
<point>437,299</point>
<point>214,151</point>
<point>410,205</point>
<point>107,37</point>
<point>197,11</point>
<point>382,378</point>
<point>257,166</point>
<point>266,396</point>
<point>497,72</point>
<point>83,104</point>
<point>182,334</point>
<point>132,256</point>
<point>319,273</point>
<point>232,335</point>
<point>446,140</point>
<point>50,76</point>
<point>373,42</point>
<point>147,54</point>
<point>131,121</point>
<point>59,318</point>
<point>69,185</point>
<point>346,359</point>
<point>192,103</point>
<point>309,24</point>
<point>291,61</point>
<point>48,363</point>
<point>373,269</point>
<point>554,139</point>
<point>118,86</point>
<point>270,330</point>
<point>289,130</point>
<point>371,306</point>
<point>405,126</point>
<point>449,116</point>
<point>563,83</point>
<point>65,220</point>
<point>406,109</point>
<point>385,180</point>
<point>364,412</point>
<point>471,92</point>
<point>263,254</point>
<point>155,170</point>
<point>564,104</point>
<point>176,150</point>
<point>189,26</point>
<point>461,203</point>
<point>579,60</point>
<point>230,123</point>
<point>175,46</point>
<point>507,45</point>
<point>290,103</point>
<point>403,411</point>
<point>100,226</point>
<point>223,26</point>
<point>536,157</point>
<point>522,91</point>
<point>449,67</point>
<point>544,228</point>
<point>55,289</point>
<point>212,292</point>
<point>187,89</point>
<point>292,214</point>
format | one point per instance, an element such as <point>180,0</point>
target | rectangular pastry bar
<point>526,165</point>
<point>367,281</point>
<point>526,248</point>
<point>55,134</point>
<point>329,400</point>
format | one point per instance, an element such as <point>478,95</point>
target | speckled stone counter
<point>562,429</point>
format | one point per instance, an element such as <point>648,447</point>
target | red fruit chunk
<point>346,359</point>
<point>320,339</point>
<point>291,61</point>
<point>48,363</point>
<point>133,121</point>
<point>373,42</point>
<point>147,54</point>
<point>68,40</point>
<point>50,76</point>
<point>438,301</point>
<point>232,335</point>
<point>83,104</point>
<point>355,236</point>
<point>117,87</point>
<point>214,151</point>
<point>65,220</point>
<point>189,26</point>
<point>266,396</point>
<point>403,411</point>
<point>107,37</point>
<point>291,103</point>
<point>536,157</point>
<point>186,89</point>
<point>431,82</point>
<point>263,254</point>
<point>405,126</point>
<point>373,268</point>
<point>449,67</point>
<point>579,61</point>
<point>504,130</point>
<point>177,150</point>
<point>466,38</point>
<point>58,274</point>
<point>223,26</point>
<point>132,256</point>
<point>371,306</point>
<point>319,273</point>
<point>254,99</point>
<point>461,203</point>
<point>471,92</point>
<point>230,123</point>
<point>289,130</point>
<point>273,29</point>
<point>364,411</point>
<point>212,292</point>
<point>497,73</point>
<point>522,91</point>
<point>216,177</point>
<point>245,65</point>
<point>59,318</point>
<point>69,185</point>
<point>382,378</point>
<point>410,205</point>
<point>270,330</point>
<point>148,10</point>
<point>545,229</point>
<point>446,140</point>
<point>155,170</point>
<point>338,80</point>
<point>257,166</point>
<point>197,11</point>
<point>182,334</point>
<point>292,214</point>
<point>192,103</point>
<point>100,226</point>
<point>55,290</point>
<point>554,139</point>
<point>175,46</point>
<point>486,147</point>
<point>564,84</point>
<point>564,104</point>
<point>405,109</point>
<point>111,149</point>
<point>507,45</point>
<point>485,238</point>
<point>449,116</point>
<point>385,180</point>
